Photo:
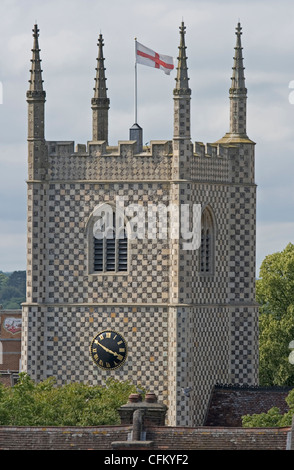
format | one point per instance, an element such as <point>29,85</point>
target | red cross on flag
<point>150,58</point>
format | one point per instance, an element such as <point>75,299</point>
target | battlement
<point>99,161</point>
<point>227,160</point>
<point>217,162</point>
<point>216,149</point>
<point>210,150</point>
<point>128,148</point>
<point>100,148</point>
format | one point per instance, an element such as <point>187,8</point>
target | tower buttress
<point>100,102</point>
<point>36,98</point>
<point>238,91</point>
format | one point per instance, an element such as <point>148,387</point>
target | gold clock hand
<point>108,350</point>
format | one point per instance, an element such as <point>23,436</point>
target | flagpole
<point>135,80</point>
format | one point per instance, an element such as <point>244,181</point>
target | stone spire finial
<point>100,102</point>
<point>182,80</point>
<point>238,91</point>
<point>100,90</point>
<point>36,82</point>
<point>238,78</point>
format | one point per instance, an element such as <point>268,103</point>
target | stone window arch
<point>207,247</point>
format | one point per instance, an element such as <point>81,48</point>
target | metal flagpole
<point>135,80</point>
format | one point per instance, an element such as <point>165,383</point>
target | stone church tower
<point>186,311</point>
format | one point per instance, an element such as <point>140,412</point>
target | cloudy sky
<point>68,39</point>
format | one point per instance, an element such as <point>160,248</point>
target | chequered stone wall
<point>67,332</point>
<point>182,328</point>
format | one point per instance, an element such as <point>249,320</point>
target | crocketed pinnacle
<point>36,82</point>
<point>100,103</point>
<point>182,80</point>
<point>238,98</point>
<point>100,90</point>
<point>238,78</point>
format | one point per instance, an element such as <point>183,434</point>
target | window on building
<point>110,248</point>
<point>207,242</point>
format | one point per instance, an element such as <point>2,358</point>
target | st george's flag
<point>148,57</point>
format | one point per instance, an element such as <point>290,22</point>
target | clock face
<point>108,349</point>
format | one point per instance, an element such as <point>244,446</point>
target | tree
<point>3,280</point>
<point>275,336</point>
<point>275,288</point>
<point>275,293</point>
<point>273,418</point>
<point>75,404</point>
<point>17,279</point>
<point>12,289</point>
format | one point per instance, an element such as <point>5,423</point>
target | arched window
<point>207,246</point>
<point>108,241</point>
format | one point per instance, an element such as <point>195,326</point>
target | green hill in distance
<point>12,289</point>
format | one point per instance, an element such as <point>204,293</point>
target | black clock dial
<point>108,349</point>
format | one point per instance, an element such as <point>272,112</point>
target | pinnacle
<point>100,90</point>
<point>182,80</point>
<point>238,92</point>
<point>100,103</point>
<point>36,82</point>
<point>238,78</point>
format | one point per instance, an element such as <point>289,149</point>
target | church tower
<point>141,260</point>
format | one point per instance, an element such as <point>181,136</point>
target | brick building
<point>10,345</point>
<point>185,307</point>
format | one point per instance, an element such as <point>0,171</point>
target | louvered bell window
<point>111,251</point>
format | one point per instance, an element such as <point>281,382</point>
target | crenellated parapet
<point>216,162</point>
<point>223,162</point>
<point>98,161</point>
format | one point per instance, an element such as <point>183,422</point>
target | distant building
<point>10,345</point>
<point>185,307</point>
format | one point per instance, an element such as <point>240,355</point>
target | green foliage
<point>12,289</point>
<point>45,404</point>
<point>275,293</point>
<point>273,418</point>
<point>3,280</point>
<point>262,420</point>
<point>275,288</point>
<point>17,279</point>
<point>274,338</point>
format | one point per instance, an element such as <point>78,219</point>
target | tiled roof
<point>228,403</point>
